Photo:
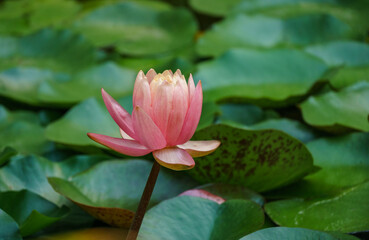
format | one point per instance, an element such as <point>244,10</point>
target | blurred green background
<point>294,70</point>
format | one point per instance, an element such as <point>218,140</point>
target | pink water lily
<point>166,112</point>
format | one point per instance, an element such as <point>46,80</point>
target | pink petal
<point>147,132</point>
<point>150,75</point>
<point>178,113</point>
<point>191,88</point>
<point>118,113</point>
<point>162,105</point>
<point>124,134</point>
<point>174,158</point>
<point>192,117</point>
<point>200,148</point>
<point>127,147</point>
<point>141,93</point>
<point>203,194</point>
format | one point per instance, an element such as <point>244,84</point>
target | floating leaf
<point>111,191</point>
<point>344,212</point>
<point>342,162</point>
<point>348,108</point>
<point>353,57</point>
<point>32,212</point>
<point>8,227</point>
<point>260,160</point>
<point>138,28</point>
<point>187,217</point>
<point>22,131</point>
<point>31,173</point>
<point>257,76</point>
<point>242,31</point>
<point>295,233</point>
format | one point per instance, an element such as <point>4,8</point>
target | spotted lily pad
<point>242,31</point>
<point>258,75</point>
<point>260,160</point>
<point>187,217</point>
<point>138,28</point>
<point>348,108</point>
<point>110,191</point>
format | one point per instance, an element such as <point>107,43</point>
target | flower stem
<point>145,199</point>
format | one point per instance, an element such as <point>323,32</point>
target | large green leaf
<point>261,160</point>
<point>294,234</point>
<point>213,7</point>
<point>348,108</point>
<point>111,191</point>
<point>344,212</point>
<point>49,49</point>
<point>8,227</point>
<point>266,77</point>
<point>138,27</point>
<point>353,13</point>
<point>188,217</point>
<point>31,173</point>
<point>24,16</point>
<point>22,131</point>
<point>342,162</point>
<point>32,212</point>
<point>353,57</point>
<point>242,31</point>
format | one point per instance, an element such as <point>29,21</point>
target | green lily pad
<point>110,191</point>
<point>32,212</point>
<point>260,160</point>
<point>352,56</point>
<point>228,192</point>
<point>257,78</point>
<point>216,8</point>
<point>90,115</point>
<point>22,131</point>
<point>293,128</point>
<point>348,108</point>
<point>50,49</point>
<point>8,227</point>
<point>138,28</point>
<point>242,31</point>
<point>23,16</point>
<point>344,212</point>
<point>187,217</point>
<point>31,173</point>
<point>353,13</point>
<point>343,163</point>
<point>295,233</point>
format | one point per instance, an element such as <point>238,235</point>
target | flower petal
<point>124,134</point>
<point>150,75</point>
<point>118,113</point>
<point>124,146</point>
<point>141,93</point>
<point>191,88</point>
<point>203,194</point>
<point>200,148</point>
<point>147,132</point>
<point>174,158</point>
<point>178,112</point>
<point>192,117</point>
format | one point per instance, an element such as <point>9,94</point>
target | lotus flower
<point>166,112</point>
